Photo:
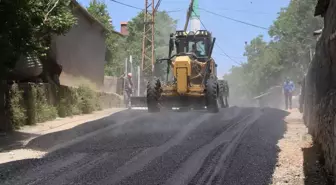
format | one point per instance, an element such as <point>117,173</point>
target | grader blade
<point>139,102</point>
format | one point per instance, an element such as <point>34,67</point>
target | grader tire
<point>226,102</point>
<point>221,102</point>
<point>153,94</point>
<point>211,95</point>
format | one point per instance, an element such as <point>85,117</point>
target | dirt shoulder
<point>298,159</point>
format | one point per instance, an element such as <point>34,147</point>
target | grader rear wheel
<point>222,102</point>
<point>226,102</point>
<point>212,95</point>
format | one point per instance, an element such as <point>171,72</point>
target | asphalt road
<point>235,146</point>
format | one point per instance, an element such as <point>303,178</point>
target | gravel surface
<point>235,146</point>
<point>298,161</point>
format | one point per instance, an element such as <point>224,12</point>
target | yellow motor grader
<point>187,78</point>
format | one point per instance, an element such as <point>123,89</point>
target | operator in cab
<point>194,50</point>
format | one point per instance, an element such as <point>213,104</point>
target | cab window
<point>199,46</point>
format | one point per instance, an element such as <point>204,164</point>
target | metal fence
<point>132,66</point>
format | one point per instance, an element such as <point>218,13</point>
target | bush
<point>88,100</point>
<point>43,110</point>
<point>69,103</point>
<point>32,106</point>
<point>17,110</point>
<point>81,100</point>
<point>62,108</point>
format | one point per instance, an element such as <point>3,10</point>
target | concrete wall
<point>81,52</point>
<point>113,85</point>
<point>320,89</point>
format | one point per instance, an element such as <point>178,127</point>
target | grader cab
<point>187,78</point>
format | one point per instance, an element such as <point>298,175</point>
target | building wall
<point>320,90</point>
<point>113,84</point>
<point>81,52</point>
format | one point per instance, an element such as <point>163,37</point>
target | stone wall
<point>320,88</point>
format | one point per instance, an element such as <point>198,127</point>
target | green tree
<point>293,31</point>
<point>27,27</point>
<point>287,54</point>
<point>121,47</point>
<point>164,25</point>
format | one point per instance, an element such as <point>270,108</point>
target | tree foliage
<point>27,27</point>
<point>287,54</point>
<point>164,25</point>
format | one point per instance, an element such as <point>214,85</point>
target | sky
<point>230,35</point>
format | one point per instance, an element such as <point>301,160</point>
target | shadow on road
<point>256,157</point>
<point>313,171</point>
<point>45,142</point>
<point>15,139</point>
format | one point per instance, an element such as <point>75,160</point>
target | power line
<point>225,54</point>
<point>138,8</point>
<point>232,19</point>
<point>246,11</point>
<point>172,11</point>
<point>158,4</point>
<point>222,50</point>
<point>128,5</point>
<point>250,24</point>
<point>234,57</point>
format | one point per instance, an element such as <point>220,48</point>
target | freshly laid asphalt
<point>237,146</point>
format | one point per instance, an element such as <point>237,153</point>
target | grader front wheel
<point>153,94</point>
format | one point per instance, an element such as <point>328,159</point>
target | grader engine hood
<point>182,70</point>
<point>186,73</point>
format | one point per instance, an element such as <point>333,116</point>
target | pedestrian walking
<point>288,89</point>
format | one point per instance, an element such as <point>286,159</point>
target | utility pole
<point>126,67</point>
<point>148,55</point>
<point>124,77</point>
<point>147,58</point>
<point>131,62</point>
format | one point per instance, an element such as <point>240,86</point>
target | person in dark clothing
<point>128,89</point>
